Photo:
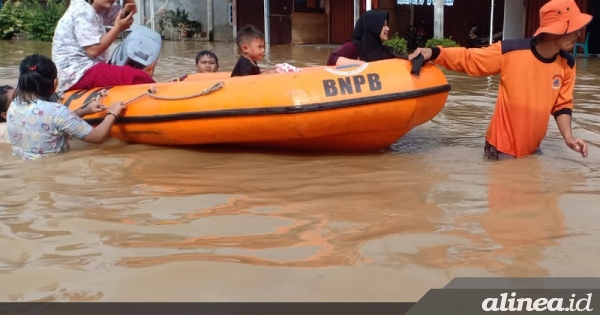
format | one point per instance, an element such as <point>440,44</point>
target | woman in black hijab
<point>366,44</point>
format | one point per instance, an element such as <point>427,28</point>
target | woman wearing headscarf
<point>366,44</point>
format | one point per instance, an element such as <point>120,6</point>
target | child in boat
<point>38,127</point>
<point>366,44</point>
<point>80,44</point>
<point>251,42</point>
<point>537,77</point>
<point>207,61</point>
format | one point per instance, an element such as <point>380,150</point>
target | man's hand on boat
<point>426,52</point>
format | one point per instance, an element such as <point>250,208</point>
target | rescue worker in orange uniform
<point>537,77</point>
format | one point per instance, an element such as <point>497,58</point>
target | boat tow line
<point>103,93</point>
<point>152,94</point>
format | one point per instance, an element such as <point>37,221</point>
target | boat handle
<point>417,63</point>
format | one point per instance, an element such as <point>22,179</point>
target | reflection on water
<point>121,222</point>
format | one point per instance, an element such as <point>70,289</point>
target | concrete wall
<point>222,30</point>
<point>309,28</point>
<point>515,17</point>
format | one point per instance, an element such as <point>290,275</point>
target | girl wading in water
<point>38,127</point>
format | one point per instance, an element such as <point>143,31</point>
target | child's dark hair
<point>247,34</point>
<point>207,53</point>
<point>4,99</point>
<point>36,79</point>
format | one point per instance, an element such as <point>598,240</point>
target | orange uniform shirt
<point>531,89</point>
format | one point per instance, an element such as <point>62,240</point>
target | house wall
<point>342,20</point>
<point>459,18</point>
<point>594,27</point>
<point>309,28</point>
<point>222,29</point>
<point>515,16</point>
<point>404,18</point>
<point>390,7</point>
<point>250,12</point>
<point>196,11</point>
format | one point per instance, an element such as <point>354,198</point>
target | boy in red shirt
<point>537,77</point>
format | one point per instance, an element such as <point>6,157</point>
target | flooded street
<point>126,222</point>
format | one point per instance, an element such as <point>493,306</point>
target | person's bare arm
<point>91,108</point>
<point>563,110</point>
<point>121,24</point>
<point>471,61</point>
<point>101,132</point>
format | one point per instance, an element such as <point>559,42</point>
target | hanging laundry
<point>310,4</point>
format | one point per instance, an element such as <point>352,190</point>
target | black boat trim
<point>290,109</point>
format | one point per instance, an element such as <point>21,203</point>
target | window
<point>313,6</point>
<point>230,13</point>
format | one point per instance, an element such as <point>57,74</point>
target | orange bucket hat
<point>561,17</point>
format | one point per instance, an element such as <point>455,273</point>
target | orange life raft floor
<point>356,108</point>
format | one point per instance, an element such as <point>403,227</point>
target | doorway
<point>253,13</point>
<point>280,20</point>
<point>594,27</point>
<point>341,20</point>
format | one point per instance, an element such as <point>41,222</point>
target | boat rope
<point>152,94</point>
<point>103,93</point>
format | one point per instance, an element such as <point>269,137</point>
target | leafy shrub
<point>41,22</point>
<point>30,17</point>
<point>399,44</point>
<point>444,42</point>
<point>12,17</point>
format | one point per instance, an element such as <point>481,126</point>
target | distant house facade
<point>316,21</point>
<point>303,21</point>
<point>214,18</point>
<point>289,21</point>
<point>332,21</point>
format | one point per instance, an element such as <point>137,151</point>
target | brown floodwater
<point>127,222</point>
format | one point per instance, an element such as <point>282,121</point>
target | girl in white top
<point>38,127</point>
<point>80,44</point>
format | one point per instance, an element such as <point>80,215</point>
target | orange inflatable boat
<point>353,108</point>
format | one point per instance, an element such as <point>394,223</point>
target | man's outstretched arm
<point>472,61</point>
